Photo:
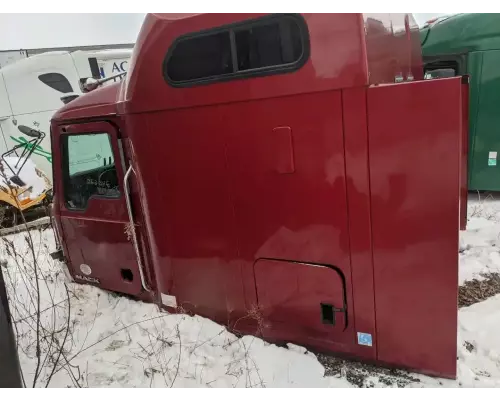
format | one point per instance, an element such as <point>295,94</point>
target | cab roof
<point>98,103</point>
<point>461,33</point>
<point>364,49</point>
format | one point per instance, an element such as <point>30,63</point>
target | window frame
<point>446,61</point>
<point>64,140</point>
<point>57,90</point>
<point>244,74</point>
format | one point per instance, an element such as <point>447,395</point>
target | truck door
<point>94,209</point>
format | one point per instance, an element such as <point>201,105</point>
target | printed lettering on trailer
<point>113,68</point>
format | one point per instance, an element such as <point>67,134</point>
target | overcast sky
<point>28,31</point>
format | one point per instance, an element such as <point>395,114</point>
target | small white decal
<point>364,339</point>
<point>492,158</point>
<point>169,301</point>
<point>85,269</point>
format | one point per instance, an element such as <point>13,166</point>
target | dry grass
<point>476,290</point>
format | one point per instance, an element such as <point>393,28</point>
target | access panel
<point>415,155</point>
<point>301,301</point>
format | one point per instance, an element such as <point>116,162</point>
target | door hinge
<point>58,255</point>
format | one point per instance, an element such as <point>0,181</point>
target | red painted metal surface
<point>359,207</point>
<point>294,311</point>
<point>415,149</point>
<point>99,103</point>
<point>464,188</point>
<point>96,236</point>
<point>297,186</point>
<point>342,55</point>
<point>392,47</point>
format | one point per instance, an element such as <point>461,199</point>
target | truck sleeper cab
<point>269,165</point>
<point>468,44</point>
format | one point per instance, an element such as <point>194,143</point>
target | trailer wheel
<point>2,214</point>
<point>9,216</point>
<point>14,216</point>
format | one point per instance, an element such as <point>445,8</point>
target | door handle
<point>132,230</point>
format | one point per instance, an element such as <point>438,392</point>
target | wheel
<point>15,214</point>
<point>3,212</point>
<point>9,216</point>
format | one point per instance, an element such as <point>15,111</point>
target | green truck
<point>469,44</point>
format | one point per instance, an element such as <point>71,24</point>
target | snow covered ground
<point>110,340</point>
<point>480,244</point>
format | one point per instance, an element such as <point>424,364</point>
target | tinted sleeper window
<point>258,46</point>
<point>57,82</point>
<point>201,57</point>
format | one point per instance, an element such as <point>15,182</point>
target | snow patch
<point>27,174</point>
<point>480,243</point>
<point>118,342</point>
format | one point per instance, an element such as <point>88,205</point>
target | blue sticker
<point>364,339</point>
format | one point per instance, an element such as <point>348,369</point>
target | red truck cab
<point>289,176</point>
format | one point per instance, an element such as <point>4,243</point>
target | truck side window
<point>440,73</point>
<point>441,69</point>
<point>262,46</point>
<point>88,169</point>
<point>267,45</point>
<point>56,81</point>
<point>201,57</point>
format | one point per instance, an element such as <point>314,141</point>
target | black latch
<point>328,313</point>
<point>58,255</point>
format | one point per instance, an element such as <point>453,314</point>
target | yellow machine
<point>13,201</point>
<point>23,187</point>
